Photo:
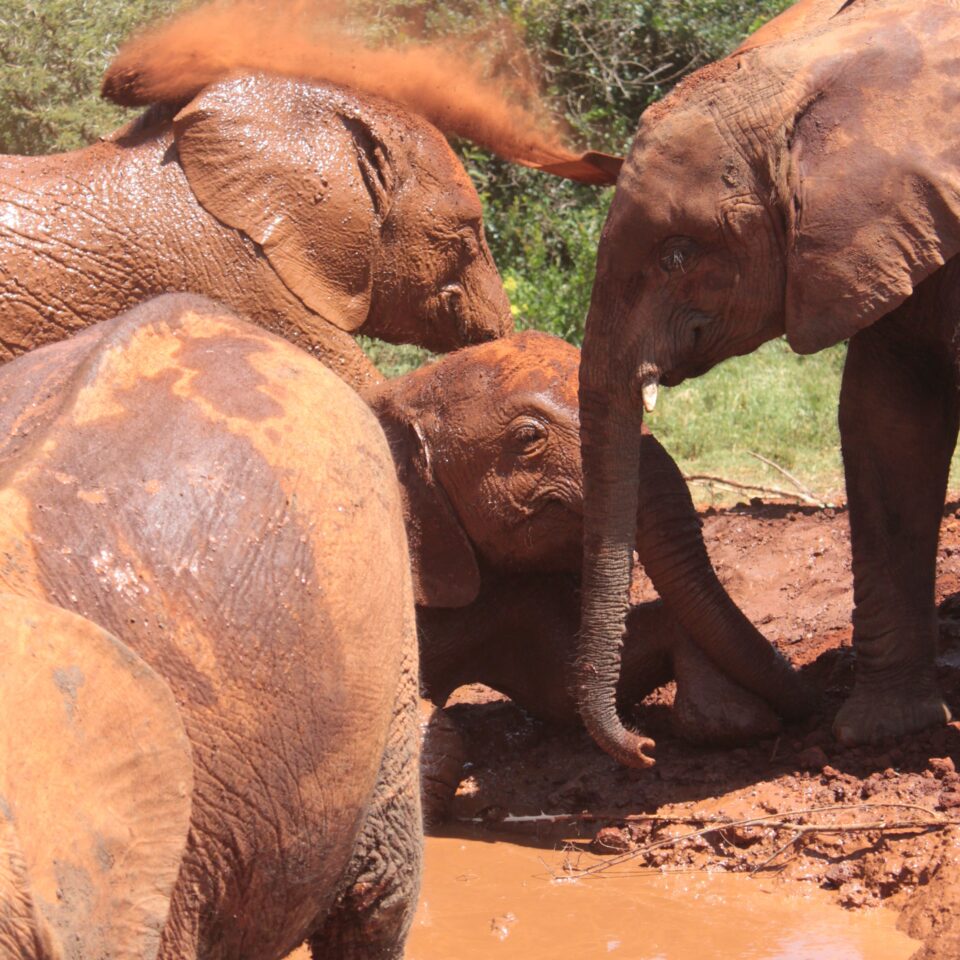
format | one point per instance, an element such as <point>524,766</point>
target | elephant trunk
<point>671,548</point>
<point>610,446</point>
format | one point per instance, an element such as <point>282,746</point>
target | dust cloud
<point>447,83</point>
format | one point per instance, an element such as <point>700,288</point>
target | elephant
<point>211,496</point>
<point>805,185</point>
<point>314,210</point>
<point>95,788</point>
<point>486,443</point>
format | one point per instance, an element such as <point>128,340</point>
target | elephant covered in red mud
<point>806,185</point>
<point>213,497</point>
<point>316,211</point>
<point>487,443</point>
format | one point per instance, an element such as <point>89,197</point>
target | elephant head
<point>96,782</point>
<point>487,443</point>
<point>361,208</point>
<point>486,447</point>
<point>802,185</point>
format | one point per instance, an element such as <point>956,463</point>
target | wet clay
<point>486,900</point>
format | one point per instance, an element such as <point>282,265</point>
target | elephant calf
<point>487,447</point>
<point>214,498</point>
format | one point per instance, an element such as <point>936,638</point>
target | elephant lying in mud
<point>487,447</point>
<point>211,496</point>
<point>315,211</point>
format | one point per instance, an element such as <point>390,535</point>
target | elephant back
<point>217,499</point>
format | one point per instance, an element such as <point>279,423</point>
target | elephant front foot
<point>442,755</point>
<point>872,714</point>
<point>711,709</point>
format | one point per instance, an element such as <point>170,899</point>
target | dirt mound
<point>873,825</point>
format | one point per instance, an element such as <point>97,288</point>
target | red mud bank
<point>871,826</point>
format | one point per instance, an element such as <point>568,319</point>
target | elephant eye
<point>469,244</point>
<point>678,254</point>
<point>529,436</point>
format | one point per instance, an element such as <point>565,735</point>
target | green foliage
<point>773,402</point>
<point>52,54</point>
<point>394,360</point>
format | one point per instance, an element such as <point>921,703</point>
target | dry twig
<point>711,480</point>
<point>802,487</point>
<point>775,821</point>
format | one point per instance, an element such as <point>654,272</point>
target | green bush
<point>52,54</point>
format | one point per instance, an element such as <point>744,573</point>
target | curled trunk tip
<point>604,725</point>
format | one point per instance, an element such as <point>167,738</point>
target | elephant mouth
<point>552,534</point>
<point>452,319</point>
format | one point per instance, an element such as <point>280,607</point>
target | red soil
<point>789,569</point>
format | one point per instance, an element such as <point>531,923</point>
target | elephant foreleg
<point>898,426</point>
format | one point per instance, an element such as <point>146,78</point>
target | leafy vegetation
<point>52,53</point>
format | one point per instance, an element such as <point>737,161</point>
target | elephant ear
<point>302,175</point>
<point>96,780</point>
<point>873,197</point>
<point>442,558</point>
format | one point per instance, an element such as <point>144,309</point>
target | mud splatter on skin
<point>445,82</point>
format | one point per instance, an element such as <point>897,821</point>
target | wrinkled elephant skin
<point>211,496</point>
<point>808,184</point>
<point>315,211</point>
<point>487,443</point>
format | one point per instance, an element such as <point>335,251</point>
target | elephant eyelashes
<point>529,436</point>
<point>678,254</point>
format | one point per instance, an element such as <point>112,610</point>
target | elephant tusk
<point>649,394</point>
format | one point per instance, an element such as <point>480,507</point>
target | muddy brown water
<point>485,900</point>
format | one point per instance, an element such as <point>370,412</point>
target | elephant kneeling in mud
<point>213,498</point>
<point>487,447</point>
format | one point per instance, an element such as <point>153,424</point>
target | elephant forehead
<point>525,363</point>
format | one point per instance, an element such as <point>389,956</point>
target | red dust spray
<point>442,81</point>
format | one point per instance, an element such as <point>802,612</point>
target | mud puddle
<point>485,900</point>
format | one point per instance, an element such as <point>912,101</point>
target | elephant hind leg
<point>898,425</point>
<point>372,914</point>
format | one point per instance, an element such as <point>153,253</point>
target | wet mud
<point>789,569</point>
<point>485,900</point>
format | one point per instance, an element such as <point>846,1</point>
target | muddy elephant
<point>96,781</point>
<point>315,211</point>
<point>807,184</point>
<point>487,444</point>
<point>212,496</point>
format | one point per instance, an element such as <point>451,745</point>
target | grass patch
<point>394,360</point>
<point>773,402</point>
